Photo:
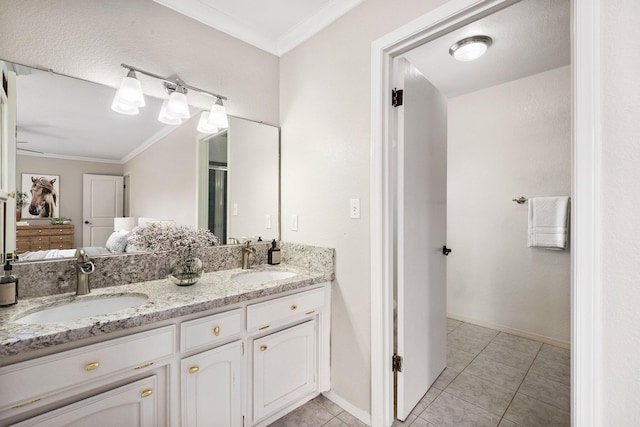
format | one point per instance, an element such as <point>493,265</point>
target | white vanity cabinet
<point>132,405</point>
<point>284,368</point>
<point>211,387</point>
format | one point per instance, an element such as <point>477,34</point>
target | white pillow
<point>117,242</point>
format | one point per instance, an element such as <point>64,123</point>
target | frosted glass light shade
<point>121,108</point>
<point>178,106</point>
<point>204,125</point>
<point>130,91</point>
<point>218,115</point>
<point>124,224</point>
<point>470,48</point>
<point>165,117</point>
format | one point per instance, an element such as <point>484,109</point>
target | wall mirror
<point>66,131</point>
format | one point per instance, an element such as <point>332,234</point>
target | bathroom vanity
<point>231,350</point>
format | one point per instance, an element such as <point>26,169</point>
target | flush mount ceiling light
<point>129,98</point>
<point>470,48</point>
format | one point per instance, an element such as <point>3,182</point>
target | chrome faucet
<point>246,252</point>
<point>233,241</point>
<point>84,267</point>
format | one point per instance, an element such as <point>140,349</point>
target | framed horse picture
<point>43,195</point>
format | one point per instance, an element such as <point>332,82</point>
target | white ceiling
<point>529,37</point>
<point>275,26</point>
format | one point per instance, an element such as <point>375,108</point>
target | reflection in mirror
<point>239,199</point>
<point>66,128</point>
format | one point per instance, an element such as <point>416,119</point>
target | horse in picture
<point>44,197</point>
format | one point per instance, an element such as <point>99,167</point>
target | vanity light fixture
<point>470,48</point>
<point>204,125</point>
<point>129,98</point>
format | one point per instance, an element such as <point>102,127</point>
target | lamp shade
<point>121,108</point>
<point>130,91</point>
<point>178,106</point>
<point>165,117</point>
<point>218,115</point>
<point>124,224</point>
<point>204,125</point>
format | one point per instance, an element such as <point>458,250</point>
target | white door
<point>211,393</point>
<point>132,405</point>
<point>421,235</point>
<point>102,200</point>
<point>284,368</point>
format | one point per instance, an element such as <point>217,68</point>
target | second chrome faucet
<point>247,251</point>
<point>84,267</point>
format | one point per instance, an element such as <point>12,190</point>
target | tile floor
<point>492,379</point>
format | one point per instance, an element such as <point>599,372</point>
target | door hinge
<point>396,363</point>
<point>396,97</point>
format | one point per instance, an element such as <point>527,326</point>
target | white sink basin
<point>81,308</point>
<point>256,277</point>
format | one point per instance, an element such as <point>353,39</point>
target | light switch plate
<point>355,208</point>
<point>267,222</point>
<point>294,222</point>
<point>235,209</point>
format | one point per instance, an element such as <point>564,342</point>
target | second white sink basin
<point>255,277</point>
<point>81,308</point>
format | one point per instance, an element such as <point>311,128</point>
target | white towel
<point>548,222</point>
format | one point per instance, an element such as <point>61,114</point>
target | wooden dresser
<point>43,237</point>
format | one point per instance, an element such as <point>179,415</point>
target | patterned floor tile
<point>328,405</point>
<point>466,343</point>
<point>350,420</point>
<point>308,415</point>
<point>452,324</point>
<point>547,391</point>
<point>530,412</point>
<point>508,356</point>
<point>518,343</point>
<point>556,371</point>
<point>482,393</point>
<point>449,411</point>
<point>426,400</point>
<point>496,372</point>
<point>555,354</point>
<point>445,379</point>
<point>458,359</point>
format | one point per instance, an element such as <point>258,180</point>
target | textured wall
<point>70,172</point>
<point>509,140</point>
<point>325,118</point>
<point>620,189</point>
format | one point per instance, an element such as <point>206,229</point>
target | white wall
<point>619,363</point>
<point>70,172</point>
<point>325,118</point>
<point>506,141</point>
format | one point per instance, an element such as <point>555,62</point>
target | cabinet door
<point>284,367</point>
<point>132,405</point>
<point>211,393</point>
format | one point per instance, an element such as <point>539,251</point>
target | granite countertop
<point>165,301</point>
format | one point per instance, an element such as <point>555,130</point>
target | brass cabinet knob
<point>263,347</point>
<point>146,393</point>
<point>91,366</point>
<point>293,307</point>
<point>12,194</point>
<point>216,331</point>
<point>193,369</point>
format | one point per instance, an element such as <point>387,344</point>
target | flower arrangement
<point>185,242</point>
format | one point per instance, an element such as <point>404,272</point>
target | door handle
<point>87,222</point>
<point>445,250</point>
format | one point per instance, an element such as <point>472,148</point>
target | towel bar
<point>520,200</point>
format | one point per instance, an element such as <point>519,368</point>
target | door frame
<point>585,237</point>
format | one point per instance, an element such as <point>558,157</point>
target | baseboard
<point>363,416</point>
<point>518,332</point>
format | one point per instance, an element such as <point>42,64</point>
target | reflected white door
<point>102,200</point>
<point>421,234</point>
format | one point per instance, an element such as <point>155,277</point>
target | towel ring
<point>520,200</point>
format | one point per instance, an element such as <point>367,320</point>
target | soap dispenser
<point>273,254</point>
<point>8,287</point>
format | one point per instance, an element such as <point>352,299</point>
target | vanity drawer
<point>27,382</point>
<point>61,242</point>
<point>28,231</point>
<point>39,243</point>
<point>210,330</point>
<point>264,314</point>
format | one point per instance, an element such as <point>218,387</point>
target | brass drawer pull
<point>310,312</point>
<point>146,393</point>
<point>263,347</point>
<point>91,366</point>
<point>264,327</point>
<point>193,369</point>
<point>293,307</point>
<point>21,405</point>
<point>146,365</point>
<point>216,331</point>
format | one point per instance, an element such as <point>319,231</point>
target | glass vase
<point>186,272</point>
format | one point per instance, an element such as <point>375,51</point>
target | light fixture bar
<point>177,82</point>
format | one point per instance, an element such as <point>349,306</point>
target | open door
<point>102,200</point>
<point>421,340</point>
